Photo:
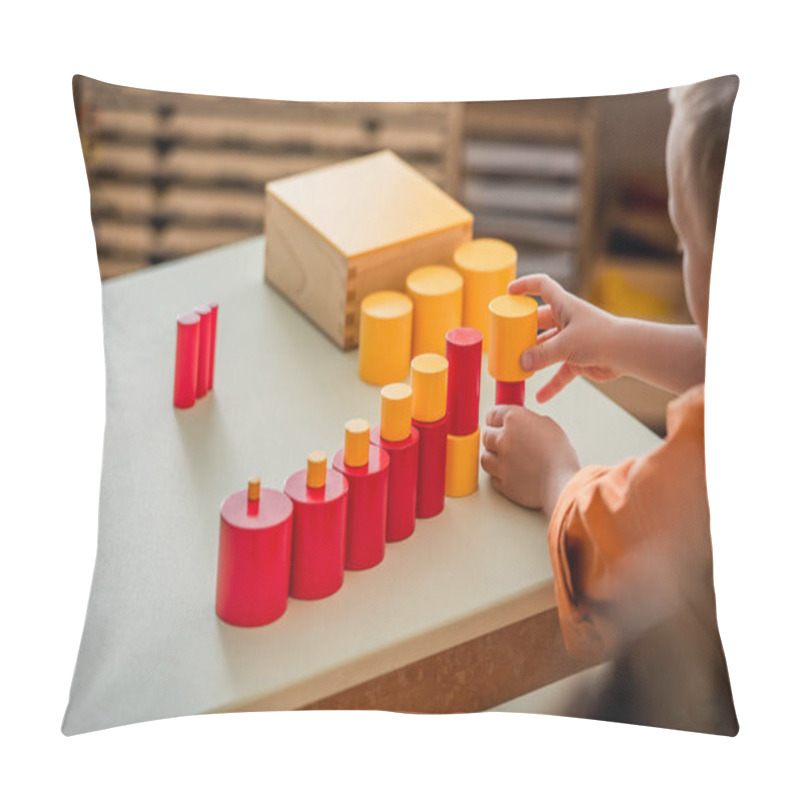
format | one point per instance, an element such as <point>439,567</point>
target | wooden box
<point>338,233</point>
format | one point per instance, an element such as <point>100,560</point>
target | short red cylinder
<point>319,533</point>
<point>186,352</point>
<point>401,509</point>
<point>213,339</point>
<point>432,467</point>
<point>463,349</point>
<point>509,393</point>
<point>204,352</point>
<point>366,508</point>
<point>255,542</point>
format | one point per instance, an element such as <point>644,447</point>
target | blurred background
<point>578,186</point>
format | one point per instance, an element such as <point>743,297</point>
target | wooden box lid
<point>368,203</point>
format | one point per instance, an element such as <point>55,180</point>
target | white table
<point>458,617</point>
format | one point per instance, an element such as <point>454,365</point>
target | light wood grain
<point>338,234</point>
<point>303,266</point>
<point>474,676</point>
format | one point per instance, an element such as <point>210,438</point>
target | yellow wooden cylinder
<point>254,489</point>
<point>438,294</point>
<point>512,330</point>
<point>316,469</point>
<point>429,387</point>
<point>463,457</point>
<point>356,442</point>
<point>384,348</point>
<point>396,412</point>
<point>487,267</point>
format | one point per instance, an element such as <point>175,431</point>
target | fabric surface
<point>630,545</point>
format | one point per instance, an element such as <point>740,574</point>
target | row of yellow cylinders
<point>395,327</point>
<point>425,400</point>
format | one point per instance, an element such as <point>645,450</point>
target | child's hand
<point>575,332</point>
<point>528,456</point>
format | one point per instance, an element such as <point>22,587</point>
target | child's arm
<point>594,343</point>
<point>624,552</point>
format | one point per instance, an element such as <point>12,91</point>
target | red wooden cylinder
<point>186,351</point>
<point>318,535</point>
<point>509,393</point>
<point>213,342</point>
<point>366,508</point>
<point>463,348</point>
<point>401,509</point>
<point>432,467</point>
<point>255,542</point>
<point>204,352</point>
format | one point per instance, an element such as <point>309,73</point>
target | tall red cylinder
<point>319,534</point>
<point>463,349</point>
<point>366,508</point>
<point>212,355</point>
<point>401,508</point>
<point>432,466</point>
<point>255,540</point>
<point>509,393</point>
<point>204,352</point>
<point>186,352</point>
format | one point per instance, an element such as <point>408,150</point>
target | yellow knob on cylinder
<point>384,342</point>
<point>429,387</point>
<point>316,469</point>
<point>487,267</point>
<point>512,330</point>
<point>396,412</point>
<point>438,294</point>
<point>253,496</point>
<point>356,443</point>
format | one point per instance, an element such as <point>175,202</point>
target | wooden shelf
<point>528,175</point>
<point>174,173</point>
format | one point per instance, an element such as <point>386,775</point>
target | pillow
<point>489,604</point>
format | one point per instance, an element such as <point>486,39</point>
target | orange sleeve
<point>630,543</point>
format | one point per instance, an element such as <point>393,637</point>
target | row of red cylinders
<point>299,542</point>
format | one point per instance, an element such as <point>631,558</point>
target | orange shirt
<point>630,545</point>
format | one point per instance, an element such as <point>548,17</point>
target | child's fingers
<point>546,318</point>
<point>540,284</point>
<point>496,415</point>
<point>490,464</point>
<point>491,437</point>
<point>497,484</point>
<point>545,335</point>
<point>537,283</point>
<point>548,350</point>
<point>556,383</point>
